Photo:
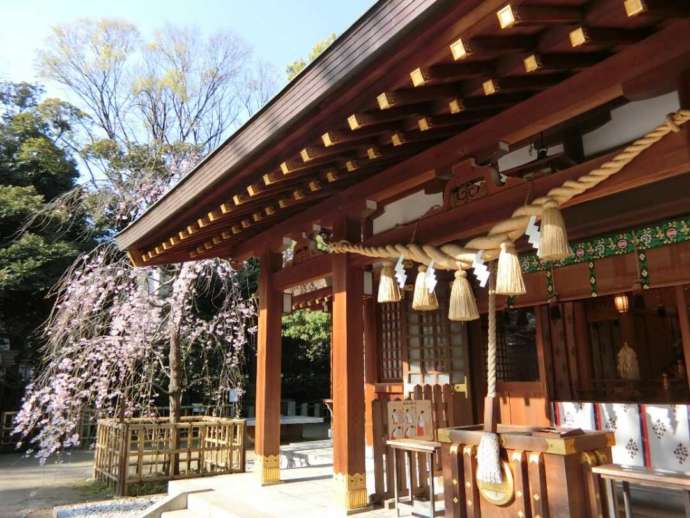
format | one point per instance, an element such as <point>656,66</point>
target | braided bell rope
<point>491,348</point>
<point>452,256</point>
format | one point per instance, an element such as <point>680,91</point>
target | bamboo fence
<point>139,450</point>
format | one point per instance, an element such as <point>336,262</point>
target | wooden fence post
<point>242,442</point>
<point>378,449</point>
<point>124,461</point>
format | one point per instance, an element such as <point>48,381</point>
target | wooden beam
<point>656,8</point>
<point>457,119</point>
<point>490,44</point>
<point>554,62</point>
<point>306,299</point>
<point>578,94</point>
<point>527,83</point>
<point>412,96</point>
<point>606,37</point>
<point>496,101</point>
<point>526,15</point>
<point>450,71</point>
<point>671,157</point>
<point>400,138</point>
<point>422,93</point>
<point>297,165</point>
<point>414,49</point>
<point>360,120</point>
<point>364,135</point>
<point>312,269</point>
<point>310,153</point>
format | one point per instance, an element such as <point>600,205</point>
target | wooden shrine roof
<point>410,88</point>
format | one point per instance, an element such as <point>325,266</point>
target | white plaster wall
<point>405,210</point>
<point>524,155</point>
<point>629,122</point>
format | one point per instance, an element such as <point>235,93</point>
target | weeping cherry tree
<point>120,339</point>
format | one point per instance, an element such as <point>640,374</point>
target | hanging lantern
<point>622,303</point>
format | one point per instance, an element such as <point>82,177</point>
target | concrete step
<point>183,513</point>
<point>213,504</point>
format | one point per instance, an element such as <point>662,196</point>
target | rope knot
<point>671,123</point>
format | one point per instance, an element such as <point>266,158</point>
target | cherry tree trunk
<point>175,401</point>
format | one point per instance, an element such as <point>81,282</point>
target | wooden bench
<point>644,477</point>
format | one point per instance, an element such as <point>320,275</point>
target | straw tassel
<point>553,244</point>
<point>462,305</point>
<point>509,279</point>
<point>389,291</point>
<point>489,459</point>
<point>423,299</point>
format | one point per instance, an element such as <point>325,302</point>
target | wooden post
<point>123,466</point>
<point>684,322</point>
<point>268,370</point>
<point>370,366</point>
<point>348,376</point>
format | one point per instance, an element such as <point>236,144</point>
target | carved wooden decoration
<point>470,182</point>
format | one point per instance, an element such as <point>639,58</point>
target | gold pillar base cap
<point>351,491</point>
<point>268,469</point>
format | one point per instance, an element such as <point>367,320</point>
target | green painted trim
<point>618,243</point>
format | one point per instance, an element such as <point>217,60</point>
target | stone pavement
<point>29,490</point>
<point>306,490</point>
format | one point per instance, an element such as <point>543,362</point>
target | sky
<point>279,31</point>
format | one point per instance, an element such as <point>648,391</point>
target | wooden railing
<point>86,427</point>
<point>141,450</point>
<point>89,418</point>
<point>444,413</point>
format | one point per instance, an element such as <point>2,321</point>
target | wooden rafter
<point>498,68</point>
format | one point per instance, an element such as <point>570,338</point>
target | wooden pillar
<point>370,366</point>
<point>268,373</point>
<point>684,89</point>
<point>684,322</point>
<point>348,377</point>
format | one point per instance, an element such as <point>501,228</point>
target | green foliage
<point>36,242</point>
<point>16,205</point>
<point>33,263</point>
<point>306,355</point>
<point>312,327</point>
<point>294,68</point>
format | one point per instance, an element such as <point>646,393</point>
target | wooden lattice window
<point>436,346</point>
<point>516,345</point>
<point>390,335</point>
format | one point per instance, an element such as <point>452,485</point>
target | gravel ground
<point>118,508</point>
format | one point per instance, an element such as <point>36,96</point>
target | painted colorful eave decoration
<point>642,238</point>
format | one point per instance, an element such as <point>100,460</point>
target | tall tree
<point>294,68</point>
<point>36,168</point>
<point>120,338</point>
